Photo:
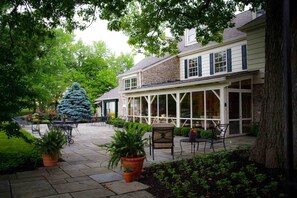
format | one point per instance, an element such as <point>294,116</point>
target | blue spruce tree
<point>75,104</point>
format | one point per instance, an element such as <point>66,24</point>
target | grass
<point>220,174</point>
<point>16,154</point>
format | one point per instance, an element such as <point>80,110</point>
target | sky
<point>115,41</point>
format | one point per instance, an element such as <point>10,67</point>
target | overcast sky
<point>116,41</point>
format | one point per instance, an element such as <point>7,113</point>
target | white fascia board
<point>130,76</point>
<point>213,46</point>
<point>216,80</point>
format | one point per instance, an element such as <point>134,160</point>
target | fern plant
<point>51,142</point>
<point>128,143</point>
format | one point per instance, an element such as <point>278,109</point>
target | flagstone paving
<point>84,172</point>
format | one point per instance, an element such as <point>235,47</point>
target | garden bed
<point>221,174</point>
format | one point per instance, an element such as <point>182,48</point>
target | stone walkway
<point>84,172</point>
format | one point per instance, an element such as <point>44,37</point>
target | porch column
<point>223,105</point>
<point>104,106</point>
<point>149,109</point>
<point>178,109</point>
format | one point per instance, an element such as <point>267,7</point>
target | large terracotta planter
<point>49,161</point>
<point>135,165</point>
<point>128,176</point>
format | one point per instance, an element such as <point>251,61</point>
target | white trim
<point>130,76</point>
<point>216,80</point>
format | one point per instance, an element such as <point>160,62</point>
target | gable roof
<point>111,95</point>
<point>229,33</point>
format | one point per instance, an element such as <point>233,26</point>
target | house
<point>202,85</point>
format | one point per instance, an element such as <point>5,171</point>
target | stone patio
<point>84,172</point>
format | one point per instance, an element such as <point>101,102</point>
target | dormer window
<point>130,83</point>
<point>190,36</point>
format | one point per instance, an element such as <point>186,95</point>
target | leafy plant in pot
<point>128,174</point>
<point>50,145</point>
<point>128,147</point>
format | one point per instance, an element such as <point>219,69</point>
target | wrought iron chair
<point>162,138</point>
<point>219,135</point>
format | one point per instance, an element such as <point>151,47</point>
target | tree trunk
<point>269,148</point>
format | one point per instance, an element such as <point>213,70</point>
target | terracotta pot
<point>129,177</point>
<point>135,165</point>
<point>49,161</point>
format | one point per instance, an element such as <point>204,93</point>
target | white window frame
<point>220,63</point>
<point>193,67</point>
<point>130,83</point>
<point>190,36</point>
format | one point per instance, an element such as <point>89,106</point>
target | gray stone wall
<point>164,72</point>
<point>258,92</point>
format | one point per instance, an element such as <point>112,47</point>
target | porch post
<point>149,109</point>
<point>222,105</point>
<point>104,104</point>
<point>116,107</point>
<point>177,109</point>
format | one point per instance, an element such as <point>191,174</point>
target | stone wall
<point>258,92</point>
<point>164,72</point>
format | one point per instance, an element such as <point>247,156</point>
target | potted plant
<point>50,145</point>
<point>128,147</point>
<point>128,174</point>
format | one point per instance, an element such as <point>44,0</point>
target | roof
<point>229,33</point>
<point>188,82</point>
<point>111,95</point>
<point>254,24</point>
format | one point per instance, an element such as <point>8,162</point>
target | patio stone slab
<point>34,173</point>
<point>77,186</point>
<point>66,195</point>
<point>121,187</point>
<point>4,186</point>
<point>77,179</point>
<point>26,179</point>
<point>57,181</point>
<point>138,194</point>
<point>38,188</point>
<point>94,171</point>
<point>74,167</point>
<point>75,173</point>
<point>107,177</point>
<point>102,192</point>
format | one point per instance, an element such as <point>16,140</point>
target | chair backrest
<point>220,130</point>
<point>162,133</point>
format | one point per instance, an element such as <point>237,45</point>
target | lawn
<point>221,174</point>
<point>16,154</point>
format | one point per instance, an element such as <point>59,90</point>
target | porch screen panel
<point>144,108</point>
<point>212,105</point>
<point>154,106</point>
<point>136,111</point>
<point>185,106</point>
<point>162,106</point>
<point>198,104</point>
<point>171,106</point>
<point>246,105</point>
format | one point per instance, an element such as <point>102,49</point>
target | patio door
<point>240,111</point>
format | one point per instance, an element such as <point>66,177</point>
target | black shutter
<point>186,68</point>
<point>211,63</point>
<point>229,61</point>
<point>243,55</point>
<point>199,66</point>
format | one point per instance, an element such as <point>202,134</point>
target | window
<point>130,83</point>
<point>220,62</point>
<point>191,36</point>
<point>193,69</point>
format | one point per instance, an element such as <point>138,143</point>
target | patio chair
<point>162,138</point>
<point>219,135</point>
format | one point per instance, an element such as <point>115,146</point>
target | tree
<point>145,23</point>
<point>75,103</point>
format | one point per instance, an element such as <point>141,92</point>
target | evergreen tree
<point>75,103</point>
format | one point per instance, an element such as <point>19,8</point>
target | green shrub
<point>177,131</point>
<point>254,129</point>
<point>207,134</point>
<point>185,131</point>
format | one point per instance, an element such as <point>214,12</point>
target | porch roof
<point>194,81</point>
<point>111,95</point>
